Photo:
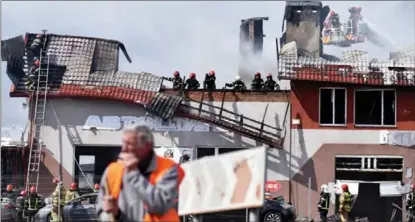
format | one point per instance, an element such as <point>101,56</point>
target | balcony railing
<point>388,73</point>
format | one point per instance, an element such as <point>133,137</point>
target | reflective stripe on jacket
<point>115,177</point>
<point>345,201</point>
<point>56,197</point>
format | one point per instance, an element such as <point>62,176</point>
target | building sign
<point>400,138</point>
<point>155,123</point>
<point>179,155</point>
<point>272,186</point>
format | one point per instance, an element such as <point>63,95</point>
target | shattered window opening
<point>332,106</point>
<point>375,107</point>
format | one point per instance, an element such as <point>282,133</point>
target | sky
<point>162,37</point>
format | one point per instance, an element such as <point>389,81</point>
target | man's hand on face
<point>110,205</point>
<point>129,160</point>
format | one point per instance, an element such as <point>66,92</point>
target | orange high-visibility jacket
<point>114,181</point>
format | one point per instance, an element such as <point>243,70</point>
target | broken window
<point>332,106</point>
<point>375,107</point>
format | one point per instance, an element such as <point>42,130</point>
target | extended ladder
<point>39,98</point>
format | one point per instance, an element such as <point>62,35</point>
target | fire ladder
<point>38,115</point>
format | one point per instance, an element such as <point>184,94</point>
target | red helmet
<point>413,186</point>
<point>32,189</point>
<point>96,186</point>
<point>212,72</point>
<point>36,62</point>
<point>269,75</point>
<point>38,35</point>
<point>55,180</point>
<point>176,73</point>
<point>73,186</point>
<point>258,74</point>
<point>23,193</point>
<point>345,187</point>
<point>332,13</point>
<point>9,187</point>
<point>192,75</point>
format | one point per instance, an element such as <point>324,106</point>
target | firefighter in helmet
<point>32,204</point>
<point>32,74</point>
<point>210,80</point>
<point>58,201</point>
<point>323,203</point>
<point>20,205</point>
<point>176,79</point>
<point>270,84</point>
<point>410,203</point>
<point>192,82</point>
<point>237,85</point>
<point>9,192</point>
<point>257,82</point>
<point>96,187</point>
<point>345,205</point>
<point>72,193</point>
<point>36,45</point>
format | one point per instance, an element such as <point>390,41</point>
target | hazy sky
<point>188,36</point>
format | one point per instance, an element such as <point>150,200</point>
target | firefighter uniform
<point>177,80</point>
<point>192,82</point>
<point>257,82</point>
<point>345,203</point>
<point>237,84</point>
<point>270,84</point>
<point>36,45</point>
<point>410,203</point>
<point>20,205</point>
<point>210,81</point>
<point>96,187</point>
<point>58,202</point>
<point>32,204</point>
<point>9,194</point>
<point>72,193</point>
<point>323,203</point>
<point>32,74</point>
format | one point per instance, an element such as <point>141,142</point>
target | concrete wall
<point>66,117</point>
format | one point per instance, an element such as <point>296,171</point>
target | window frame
<point>334,105</point>
<point>382,108</point>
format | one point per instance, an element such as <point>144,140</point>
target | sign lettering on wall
<point>155,123</point>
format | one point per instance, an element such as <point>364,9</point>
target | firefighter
<point>9,192</point>
<point>96,187</point>
<point>410,203</point>
<point>177,80</point>
<point>210,81</point>
<point>36,44</point>
<point>58,201</point>
<point>345,203</point>
<point>192,82</point>
<point>270,84</point>
<point>267,196</point>
<point>20,205</point>
<point>32,204</point>
<point>72,193</point>
<point>237,84</point>
<point>323,203</point>
<point>32,74</point>
<point>257,82</point>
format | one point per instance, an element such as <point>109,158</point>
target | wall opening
<point>375,107</point>
<point>205,151</point>
<point>332,106</point>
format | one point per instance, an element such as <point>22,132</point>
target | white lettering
<point>155,123</point>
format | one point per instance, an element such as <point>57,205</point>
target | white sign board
<point>226,182</point>
<point>179,155</point>
<point>175,124</point>
<point>400,138</point>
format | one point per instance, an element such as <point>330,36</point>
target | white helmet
<point>237,78</point>
<point>324,188</point>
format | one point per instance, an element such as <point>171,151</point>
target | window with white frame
<point>375,107</point>
<point>332,106</point>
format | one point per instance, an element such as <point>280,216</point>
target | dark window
<point>332,106</point>
<point>375,107</point>
<point>202,152</point>
<point>228,150</point>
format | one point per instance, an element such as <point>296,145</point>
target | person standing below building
<point>191,82</point>
<point>410,203</point>
<point>210,81</point>
<point>345,203</point>
<point>237,85</point>
<point>72,193</point>
<point>96,187</point>
<point>20,205</point>
<point>58,201</point>
<point>270,84</point>
<point>9,192</point>
<point>176,79</point>
<point>33,204</point>
<point>140,186</point>
<point>257,82</point>
<point>323,203</point>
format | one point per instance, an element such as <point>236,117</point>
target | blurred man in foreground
<point>140,186</point>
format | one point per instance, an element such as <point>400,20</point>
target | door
<point>205,151</point>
